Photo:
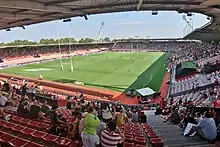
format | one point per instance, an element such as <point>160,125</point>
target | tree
<point>82,40</point>
<point>88,40</point>
<point>107,39</point>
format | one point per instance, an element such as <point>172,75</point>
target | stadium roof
<point>18,13</point>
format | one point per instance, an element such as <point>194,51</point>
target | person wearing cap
<point>89,134</point>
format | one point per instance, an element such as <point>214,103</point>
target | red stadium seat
<point>2,134</point>
<point>2,122</point>
<point>16,118</point>
<point>32,144</point>
<point>152,135</point>
<point>139,145</point>
<point>140,140</point>
<point>43,126</point>
<point>63,142</point>
<point>74,144</point>
<point>127,144</point>
<point>46,121</point>
<point>9,125</point>
<point>156,142</point>
<point>39,134</point>
<point>18,128</point>
<point>149,131</point>
<point>139,134</point>
<point>33,124</point>
<point>24,121</point>
<point>129,138</point>
<point>19,142</point>
<point>7,138</point>
<point>28,131</point>
<point>128,132</point>
<point>50,138</point>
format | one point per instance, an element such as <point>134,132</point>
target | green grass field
<point>112,70</point>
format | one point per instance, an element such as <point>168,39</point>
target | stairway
<point>172,134</point>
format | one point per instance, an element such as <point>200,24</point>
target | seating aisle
<point>172,134</point>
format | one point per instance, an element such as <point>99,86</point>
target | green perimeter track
<point>112,70</point>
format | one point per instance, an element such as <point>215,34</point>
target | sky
<point>116,25</point>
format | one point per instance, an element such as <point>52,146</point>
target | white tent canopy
<point>146,91</point>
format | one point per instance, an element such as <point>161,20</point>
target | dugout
<point>185,68</point>
<point>145,94</point>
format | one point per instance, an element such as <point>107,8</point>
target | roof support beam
<point>32,5</point>
<point>57,2</point>
<point>139,4</point>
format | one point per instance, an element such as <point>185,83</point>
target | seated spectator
<point>174,117</point>
<point>3,100</point>
<point>58,126</point>
<point>212,113</point>
<point>198,117</point>
<point>112,136</point>
<point>23,108</point>
<point>74,125</point>
<point>5,116</point>
<point>89,134</point>
<point>24,89</point>
<point>35,111</point>
<point>45,108</point>
<point>188,119</point>
<point>6,87</point>
<point>206,128</point>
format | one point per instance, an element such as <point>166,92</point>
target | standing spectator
<point>106,112</point>
<point>143,118</point>
<point>112,136</point>
<point>89,135</point>
<point>121,117</point>
<point>134,116</point>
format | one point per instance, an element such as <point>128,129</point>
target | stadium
<point>135,92</point>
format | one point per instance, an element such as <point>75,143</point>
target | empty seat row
<point>30,123</point>
<point>37,135</point>
<point>14,113</point>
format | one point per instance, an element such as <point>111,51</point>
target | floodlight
<point>67,20</point>
<point>189,14</point>
<point>86,18</point>
<point>209,18</point>
<point>154,12</point>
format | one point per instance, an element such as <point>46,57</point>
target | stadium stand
<point>30,121</point>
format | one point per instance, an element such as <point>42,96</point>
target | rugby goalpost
<point>59,47</point>
<point>69,45</point>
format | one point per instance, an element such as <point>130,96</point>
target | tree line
<point>54,41</point>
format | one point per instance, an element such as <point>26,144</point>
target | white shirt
<point>3,100</point>
<point>106,114</point>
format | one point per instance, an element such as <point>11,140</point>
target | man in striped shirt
<point>112,136</point>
